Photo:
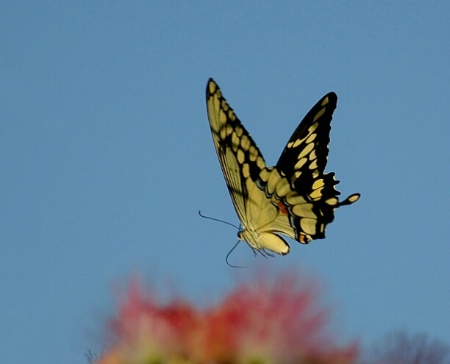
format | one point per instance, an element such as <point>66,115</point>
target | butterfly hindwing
<point>295,197</point>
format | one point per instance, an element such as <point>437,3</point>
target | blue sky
<point>106,157</point>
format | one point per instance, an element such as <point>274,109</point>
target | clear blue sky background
<point>106,157</point>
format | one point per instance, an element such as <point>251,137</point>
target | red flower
<point>268,321</point>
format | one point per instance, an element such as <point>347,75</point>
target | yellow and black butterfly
<point>295,198</point>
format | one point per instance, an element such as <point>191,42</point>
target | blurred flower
<point>271,320</point>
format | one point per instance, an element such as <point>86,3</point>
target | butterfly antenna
<point>218,220</point>
<point>226,258</point>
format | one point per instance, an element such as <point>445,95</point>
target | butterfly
<point>295,197</point>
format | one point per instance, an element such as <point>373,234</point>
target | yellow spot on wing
<point>264,175</point>
<point>304,210</point>
<point>297,175</point>
<point>311,138</point>
<point>353,198</point>
<point>224,105</point>
<point>313,164</point>
<point>332,201</point>
<point>300,163</point>
<point>309,147</point>
<point>223,134</point>
<point>246,170</point>
<point>245,142</point>
<point>234,141</point>
<point>313,127</point>
<point>240,156</point>
<point>318,183</point>
<point>319,114</point>
<point>253,153</point>
<point>308,226</point>
<point>260,162</point>
<point>294,144</point>
<point>316,194</point>
<point>222,117</point>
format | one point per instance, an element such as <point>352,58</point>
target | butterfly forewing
<point>242,164</point>
<point>239,157</point>
<point>306,152</point>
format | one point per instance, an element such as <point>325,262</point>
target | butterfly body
<point>295,197</point>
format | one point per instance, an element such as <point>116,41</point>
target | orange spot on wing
<point>283,208</point>
<point>304,238</point>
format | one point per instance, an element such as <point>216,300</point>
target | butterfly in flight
<point>295,197</point>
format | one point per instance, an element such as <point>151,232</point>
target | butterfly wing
<point>295,198</point>
<point>242,164</point>
<point>310,197</point>
<point>239,157</point>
